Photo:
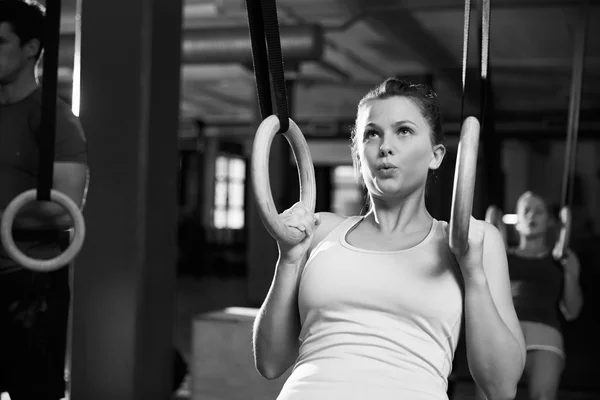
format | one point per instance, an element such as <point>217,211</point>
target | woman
<point>371,306</point>
<point>542,289</point>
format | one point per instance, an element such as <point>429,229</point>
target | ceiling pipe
<point>228,45</point>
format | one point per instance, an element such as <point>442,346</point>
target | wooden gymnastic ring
<point>464,185</point>
<point>493,215</point>
<point>33,264</point>
<point>562,243</point>
<point>261,184</point>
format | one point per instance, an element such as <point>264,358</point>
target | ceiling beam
<point>446,5</point>
<point>511,125</point>
<point>230,100</point>
<point>401,26</point>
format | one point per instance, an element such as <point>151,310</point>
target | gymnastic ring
<point>493,215</point>
<point>33,264</point>
<point>560,248</point>
<point>261,149</point>
<point>464,185</point>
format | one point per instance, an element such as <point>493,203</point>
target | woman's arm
<point>572,300</point>
<point>495,344</point>
<point>277,325</point>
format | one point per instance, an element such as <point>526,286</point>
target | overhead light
<point>510,219</point>
<point>201,10</point>
<point>241,311</point>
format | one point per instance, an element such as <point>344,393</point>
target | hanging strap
<point>485,37</point>
<point>47,134</point>
<point>485,41</point>
<point>465,55</point>
<point>267,57</point>
<point>485,51</point>
<point>568,182</point>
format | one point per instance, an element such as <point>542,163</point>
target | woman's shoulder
<point>329,218</point>
<point>329,221</point>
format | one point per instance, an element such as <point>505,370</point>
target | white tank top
<point>377,325</point>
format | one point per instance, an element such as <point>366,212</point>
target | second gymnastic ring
<point>33,264</point>
<point>464,185</point>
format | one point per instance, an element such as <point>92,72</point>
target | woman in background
<point>543,288</point>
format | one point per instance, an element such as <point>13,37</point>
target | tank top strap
<point>343,228</point>
<point>339,231</point>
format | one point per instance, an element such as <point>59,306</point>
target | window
<point>230,175</point>
<point>347,195</point>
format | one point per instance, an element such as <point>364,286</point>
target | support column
<point>125,276</point>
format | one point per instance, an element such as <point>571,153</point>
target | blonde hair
<point>552,227</point>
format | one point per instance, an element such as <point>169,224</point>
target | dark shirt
<point>19,130</point>
<point>537,286</point>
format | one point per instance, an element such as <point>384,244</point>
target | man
<point>33,306</point>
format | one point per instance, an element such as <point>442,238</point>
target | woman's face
<point>394,147</point>
<point>533,218</point>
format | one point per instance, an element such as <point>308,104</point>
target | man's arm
<point>70,176</point>
<point>70,179</point>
